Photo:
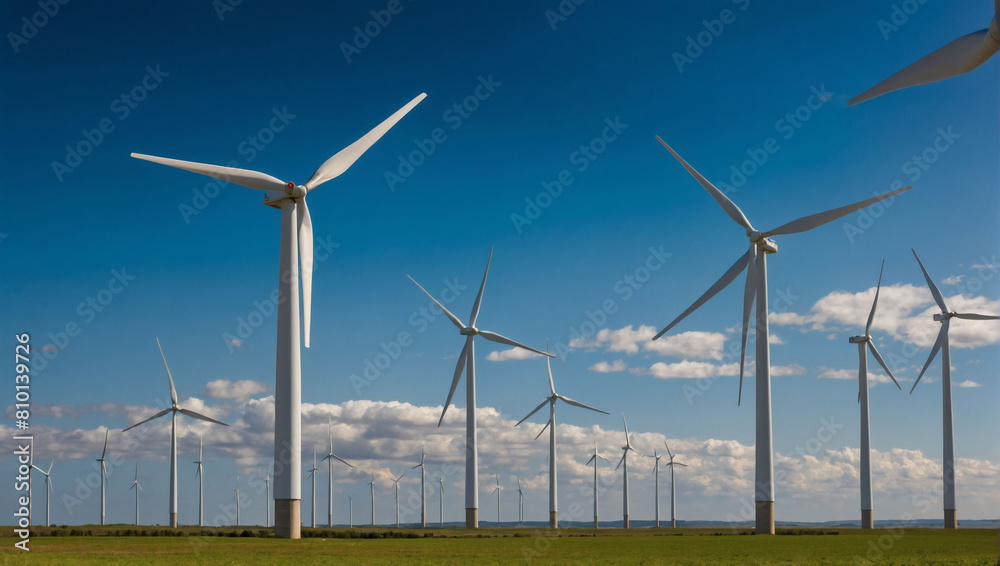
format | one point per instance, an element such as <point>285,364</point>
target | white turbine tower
<point>551,425</point>
<point>441,499</point>
<point>656,489</point>
<point>624,460</point>
<point>594,459</point>
<point>350,510</point>
<point>236,493</point>
<point>950,514</point>
<point>673,500</point>
<point>423,491</point>
<point>173,410</point>
<point>48,488</point>
<point>104,473</point>
<point>201,476</point>
<point>960,56</point>
<point>329,459</point>
<point>267,500</point>
<point>396,483</point>
<point>497,491</point>
<point>468,355</point>
<point>520,502</point>
<point>867,520</point>
<point>296,247</point>
<point>755,263</point>
<point>372,483</point>
<point>137,488</point>
<point>312,474</point>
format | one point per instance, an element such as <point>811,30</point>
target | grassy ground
<point>517,546</point>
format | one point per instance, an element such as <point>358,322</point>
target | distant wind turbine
<point>497,491</point>
<point>236,492</point>
<point>950,513</point>
<point>468,355</point>
<point>396,483</point>
<point>867,519</point>
<point>201,474</point>
<point>423,491</point>
<point>594,459</point>
<point>755,264</point>
<point>625,450</point>
<point>441,499</point>
<point>329,459</point>
<point>350,511</point>
<point>673,492</point>
<point>296,247</point>
<point>137,488</point>
<point>551,425</point>
<point>267,500</point>
<point>104,473</point>
<point>173,410</point>
<point>48,488</point>
<point>372,483</point>
<point>958,57</point>
<point>656,489</point>
<point>312,474</point>
<point>520,502</point>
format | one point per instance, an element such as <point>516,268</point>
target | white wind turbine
<point>950,513</point>
<point>137,488</point>
<point>960,56</point>
<point>867,520</point>
<point>330,458</point>
<point>396,484</point>
<point>173,410</point>
<point>755,263</point>
<point>350,511</point>
<point>267,500</point>
<point>497,491</point>
<point>468,355</point>
<point>624,460</point>
<point>673,501</point>
<point>372,484</point>
<point>48,488</point>
<point>104,473</point>
<point>312,474</point>
<point>594,459</point>
<point>201,476</point>
<point>423,491</point>
<point>236,493</point>
<point>551,425</point>
<point>296,247</point>
<point>656,489</point>
<point>441,500</point>
<point>520,502</point>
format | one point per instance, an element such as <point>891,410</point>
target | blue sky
<point>207,87</point>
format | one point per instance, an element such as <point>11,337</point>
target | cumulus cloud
<point>511,354</point>
<point>968,383</point>
<point>234,342</point>
<point>629,340</point>
<point>238,391</point>
<point>953,280</point>
<point>604,367</point>
<point>852,374</point>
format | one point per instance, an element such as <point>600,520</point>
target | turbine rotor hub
<point>294,191</point>
<point>941,317</point>
<point>860,339</point>
<point>469,331</point>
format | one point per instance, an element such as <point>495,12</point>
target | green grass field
<point>519,546</point>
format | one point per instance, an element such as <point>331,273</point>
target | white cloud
<point>953,280</point>
<point>629,340</point>
<point>234,342</point>
<point>791,369</point>
<point>604,367</point>
<point>511,354</point>
<point>238,391</point>
<point>968,383</point>
<point>852,374</point>
<point>773,338</point>
<point>692,370</point>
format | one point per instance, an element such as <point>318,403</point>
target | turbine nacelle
<point>766,245</point>
<point>860,339</point>
<point>291,191</point>
<point>469,331</point>
<point>943,316</point>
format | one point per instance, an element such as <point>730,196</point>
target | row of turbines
<point>960,56</point>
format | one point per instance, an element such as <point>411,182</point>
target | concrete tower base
<point>287,521</point>
<point>765,518</point>
<point>173,520</point>
<point>553,519</point>
<point>625,522</point>
<point>950,519</point>
<point>867,521</point>
<point>471,518</point>
<point>595,521</point>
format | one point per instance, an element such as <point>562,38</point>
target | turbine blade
<point>479,297</point>
<point>156,416</point>
<point>195,415</point>
<point>581,405</point>
<point>494,337</point>
<point>592,458</point>
<point>719,285</point>
<point>934,350</point>
<point>306,261</point>
<point>547,423</point>
<point>749,294</point>
<point>346,157</point>
<point>462,358</point>
<point>727,205</point>
<point>335,457</point>
<point>103,452</point>
<point>535,410</point>
<point>878,358</point>
<point>669,453</point>
<point>871,315</point>
<point>971,316</point>
<point>454,319</point>
<point>935,292</point>
<point>548,364</point>
<point>622,460</point>
<point>244,177</point>
<point>814,220</point>
<point>173,392</point>
<point>958,57</point>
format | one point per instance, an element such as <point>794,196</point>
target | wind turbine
<point>267,500</point>
<point>656,490</point>
<point>372,483</point>
<point>350,510</point>
<point>312,474</point>
<point>958,57</point>
<point>173,410</point>
<point>551,425</point>
<point>329,459</point>
<point>673,501</point>
<point>423,505</point>
<point>296,247</point>
<point>624,460</point>
<point>497,491</point>
<point>755,262</point>
<point>48,488</point>
<point>236,492</point>
<point>468,355</point>
<point>201,475</point>
<point>520,502</point>
<point>594,459</point>
<point>867,520</point>
<point>137,488</point>
<point>950,513</point>
<point>396,483</point>
<point>104,472</point>
<point>441,499</point>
